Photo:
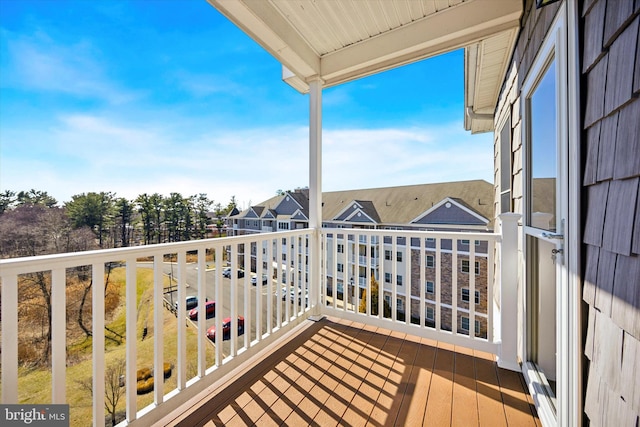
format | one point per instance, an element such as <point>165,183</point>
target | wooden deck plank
<point>383,411</point>
<point>517,408</point>
<point>438,411</point>
<point>411,410</point>
<point>464,410</point>
<point>342,373</point>
<point>490,409</point>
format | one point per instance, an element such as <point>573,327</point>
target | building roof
<point>402,204</point>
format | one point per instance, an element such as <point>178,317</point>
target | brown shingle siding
<point>607,351</point>
<point>631,365</point>
<point>627,157</point>
<point>588,4</point>
<point>592,399</point>
<point>626,292</point>
<point>591,158</point>
<point>619,217</point>
<point>596,81</point>
<point>607,147</point>
<point>597,202</point>
<point>604,284</point>
<point>636,74</point>
<point>619,12</point>
<point>588,342</point>
<point>635,248</point>
<point>592,48</point>
<point>591,274</point>
<point>611,287</point>
<point>620,70</point>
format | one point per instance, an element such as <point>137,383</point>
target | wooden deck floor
<point>340,373</point>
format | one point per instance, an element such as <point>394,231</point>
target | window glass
<point>505,166</point>
<point>430,287</point>
<point>430,261</point>
<point>541,211</point>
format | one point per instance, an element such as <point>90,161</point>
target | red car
<point>210,308</point>
<point>226,329</point>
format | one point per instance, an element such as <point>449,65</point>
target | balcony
<point>357,362</point>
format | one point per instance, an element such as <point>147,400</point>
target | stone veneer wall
<point>447,290</point>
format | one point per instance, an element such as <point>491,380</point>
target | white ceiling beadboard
<point>337,41</point>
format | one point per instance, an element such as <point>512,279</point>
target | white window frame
<point>476,324</point>
<point>432,311</point>
<point>468,295</point>
<point>430,260</point>
<point>430,284</point>
<point>562,41</point>
<point>468,264</point>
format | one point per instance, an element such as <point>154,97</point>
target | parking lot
<point>239,286</point>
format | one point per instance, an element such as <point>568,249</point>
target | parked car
<point>293,293</point>
<point>210,308</point>
<point>191,302</point>
<point>306,301</point>
<point>254,279</point>
<point>226,272</point>
<point>226,329</point>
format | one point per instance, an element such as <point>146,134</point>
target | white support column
<point>508,357</point>
<point>9,318</point>
<point>315,191</point>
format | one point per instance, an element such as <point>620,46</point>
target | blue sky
<point>168,96</point>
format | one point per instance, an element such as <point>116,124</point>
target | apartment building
<point>463,206</point>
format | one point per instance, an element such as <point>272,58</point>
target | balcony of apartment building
<point>306,353</point>
<point>298,349</point>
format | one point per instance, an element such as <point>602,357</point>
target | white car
<point>254,279</point>
<point>191,302</point>
<point>226,272</point>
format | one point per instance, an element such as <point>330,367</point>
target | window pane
<point>543,152</point>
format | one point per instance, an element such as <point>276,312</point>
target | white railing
<point>420,291</point>
<point>363,260</point>
<point>178,270</point>
<point>424,287</point>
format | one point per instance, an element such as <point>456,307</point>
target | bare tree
<point>114,388</point>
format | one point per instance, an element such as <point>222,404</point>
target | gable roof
<point>269,213</point>
<point>451,211</point>
<point>402,204</point>
<point>354,210</point>
<point>299,215</point>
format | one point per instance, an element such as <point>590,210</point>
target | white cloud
<point>40,63</point>
<point>102,154</point>
<point>372,158</point>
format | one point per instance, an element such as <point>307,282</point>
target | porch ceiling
<point>341,40</point>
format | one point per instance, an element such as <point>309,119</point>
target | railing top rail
<point>477,235</point>
<point>72,259</point>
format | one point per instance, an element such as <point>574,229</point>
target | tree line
<point>32,223</point>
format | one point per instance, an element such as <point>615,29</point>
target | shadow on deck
<point>337,372</point>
